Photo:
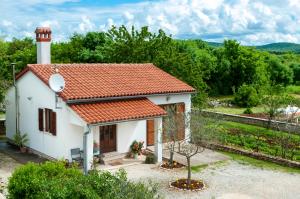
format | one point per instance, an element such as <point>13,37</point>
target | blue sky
<point>252,22</point>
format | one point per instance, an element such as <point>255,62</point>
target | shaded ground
<point>227,179</point>
<point>15,153</point>
<point>206,157</point>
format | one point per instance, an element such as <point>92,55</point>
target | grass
<point>235,110</point>
<point>260,163</point>
<point>293,89</point>
<point>199,168</point>
<point>215,165</point>
<point>2,115</point>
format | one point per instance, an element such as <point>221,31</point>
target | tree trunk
<point>171,160</point>
<point>189,172</point>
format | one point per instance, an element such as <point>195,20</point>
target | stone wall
<point>275,125</point>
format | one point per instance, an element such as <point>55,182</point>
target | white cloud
<point>86,24</point>
<point>250,21</point>
<point>7,23</point>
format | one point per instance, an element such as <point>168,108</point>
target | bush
<point>150,159</point>
<point>246,96</point>
<point>248,111</point>
<point>53,180</point>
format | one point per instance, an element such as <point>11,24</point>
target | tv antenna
<point>57,84</point>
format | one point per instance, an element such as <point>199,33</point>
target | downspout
<point>85,154</point>
<point>16,98</point>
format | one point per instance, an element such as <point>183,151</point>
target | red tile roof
<point>86,81</point>
<point>120,110</point>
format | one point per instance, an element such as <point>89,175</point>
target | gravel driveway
<point>229,180</point>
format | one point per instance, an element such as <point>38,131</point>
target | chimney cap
<point>43,34</point>
<point>43,30</point>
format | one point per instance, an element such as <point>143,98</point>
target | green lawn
<point>260,163</point>
<point>235,110</point>
<point>293,89</point>
<point>2,115</point>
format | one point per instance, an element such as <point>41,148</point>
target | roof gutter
<point>120,121</point>
<point>100,99</point>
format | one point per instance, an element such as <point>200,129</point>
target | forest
<point>213,70</point>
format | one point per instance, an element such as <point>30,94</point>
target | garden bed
<point>176,165</point>
<point>181,184</point>
<point>260,140</point>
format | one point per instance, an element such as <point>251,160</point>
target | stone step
<point>111,157</point>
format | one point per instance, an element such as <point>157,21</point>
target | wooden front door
<point>180,118</point>
<point>150,132</point>
<point>108,138</point>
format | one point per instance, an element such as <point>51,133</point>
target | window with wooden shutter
<point>53,123</point>
<point>41,119</point>
<point>47,121</point>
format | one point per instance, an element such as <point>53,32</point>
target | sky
<point>251,22</point>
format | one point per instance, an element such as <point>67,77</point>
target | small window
<point>47,120</point>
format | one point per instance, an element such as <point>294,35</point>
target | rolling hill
<point>273,47</point>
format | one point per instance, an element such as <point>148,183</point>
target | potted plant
<point>136,148</point>
<point>21,140</point>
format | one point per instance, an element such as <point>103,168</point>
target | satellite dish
<point>57,83</point>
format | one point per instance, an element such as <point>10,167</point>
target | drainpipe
<point>16,97</point>
<point>85,150</point>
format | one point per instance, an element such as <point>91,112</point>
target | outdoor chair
<point>76,155</point>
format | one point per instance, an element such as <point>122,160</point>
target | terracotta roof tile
<point>84,81</point>
<point>120,110</point>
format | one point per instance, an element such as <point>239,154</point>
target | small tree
<point>174,122</point>
<point>202,133</point>
<point>275,99</point>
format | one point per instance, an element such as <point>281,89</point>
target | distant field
<point>235,110</point>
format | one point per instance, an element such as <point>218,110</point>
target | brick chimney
<point>43,44</point>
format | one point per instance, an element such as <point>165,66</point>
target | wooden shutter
<point>53,123</point>
<point>41,119</point>
<point>47,119</point>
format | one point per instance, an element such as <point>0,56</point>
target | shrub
<point>20,140</point>
<point>246,96</point>
<point>136,147</point>
<point>53,180</point>
<point>248,111</point>
<point>150,159</point>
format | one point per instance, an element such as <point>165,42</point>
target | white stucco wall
<point>34,94</point>
<point>127,132</point>
<point>43,52</point>
<point>173,99</point>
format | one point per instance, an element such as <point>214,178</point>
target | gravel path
<point>229,180</point>
<point>7,166</point>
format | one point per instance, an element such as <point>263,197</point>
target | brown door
<point>179,114</point>
<point>150,132</point>
<point>180,109</point>
<point>108,141</point>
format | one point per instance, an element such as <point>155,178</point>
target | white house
<point>110,104</point>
